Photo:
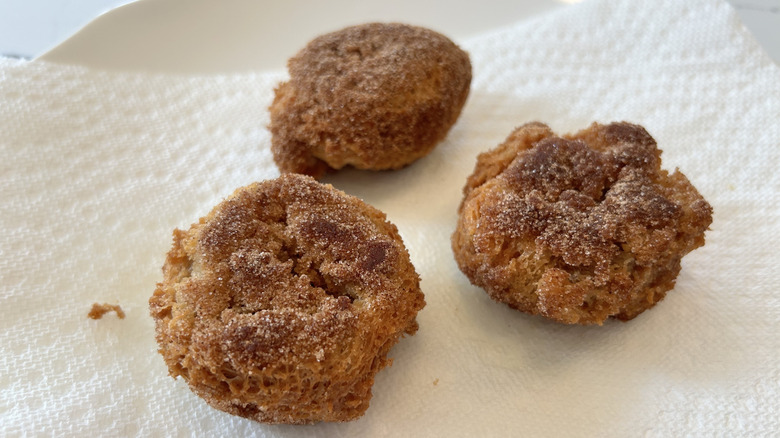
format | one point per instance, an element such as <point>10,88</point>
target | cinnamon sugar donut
<point>577,228</point>
<point>282,304</point>
<point>375,96</point>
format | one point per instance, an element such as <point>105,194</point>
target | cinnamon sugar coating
<point>577,228</point>
<point>282,304</point>
<point>375,96</point>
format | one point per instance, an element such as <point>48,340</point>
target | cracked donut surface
<point>577,228</point>
<point>282,304</point>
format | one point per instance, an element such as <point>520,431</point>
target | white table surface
<point>30,28</point>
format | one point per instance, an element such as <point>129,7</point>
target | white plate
<point>205,36</point>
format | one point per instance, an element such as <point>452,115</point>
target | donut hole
<point>265,326</point>
<point>376,96</point>
<point>577,228</point>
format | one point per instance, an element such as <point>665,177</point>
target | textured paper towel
<point>98,168</point>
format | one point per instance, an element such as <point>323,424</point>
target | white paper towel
<point>98,168</point>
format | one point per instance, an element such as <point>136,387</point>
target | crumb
<point>98,310</point>
<point>435,382</point>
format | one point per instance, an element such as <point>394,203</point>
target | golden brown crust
<point>282,304</point>
<point>577,228</point>
<point>375,96</point>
